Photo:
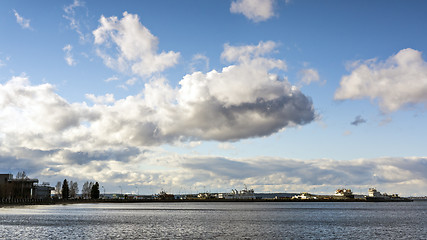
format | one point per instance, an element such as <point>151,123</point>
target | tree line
<point>70,190</point>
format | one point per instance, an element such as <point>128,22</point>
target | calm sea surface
<point>288,220</point>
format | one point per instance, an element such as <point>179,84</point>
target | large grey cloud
<point>204,106</point>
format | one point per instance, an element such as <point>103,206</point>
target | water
<point>207,220</point>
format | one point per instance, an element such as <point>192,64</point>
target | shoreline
<point>83,201</point>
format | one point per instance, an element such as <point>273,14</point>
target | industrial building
<point>22,188</point>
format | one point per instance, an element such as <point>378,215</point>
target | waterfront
<point>220,220</point>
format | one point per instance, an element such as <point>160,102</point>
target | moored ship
<point>376,196</point>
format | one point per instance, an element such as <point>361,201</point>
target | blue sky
<point>279,95</point>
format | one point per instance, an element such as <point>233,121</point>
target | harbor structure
<point>376,196</point>
<point>343,193</point>
<point>16,188</point>
<point>245,194</point>
<point>304,196</point>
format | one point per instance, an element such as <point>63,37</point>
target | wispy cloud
<point>3,61</point>
<point>24,23</point>
<point>199,60</point>
<point>70,15</point>
<point>110,79</point>
<point>307,76</point>
<point>68,55</point>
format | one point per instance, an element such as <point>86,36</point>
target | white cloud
<point>399,81</point>
<point>307,76</point>
<point>136,46</point>
<point>68,55</point>
<point>255,10</point>
<point>113,134</point>
<point>35,116</point>
<point>52,139</point>
<point>24,23</point>
<point>211,106</point>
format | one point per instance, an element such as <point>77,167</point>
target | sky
<point>193,96</point>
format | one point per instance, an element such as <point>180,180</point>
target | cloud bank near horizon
<point>152,170</point>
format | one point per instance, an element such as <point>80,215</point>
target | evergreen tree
<point>95,191</point>
<point>65,189</point>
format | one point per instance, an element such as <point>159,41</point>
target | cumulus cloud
<point>35,116</point>
<point>24,23</point>
<point>74,139</point>
<point>358,120</point>
<point>255,10</point>
<point>205,106</point>
<point>68,55</point>
<point>399,81</point>
<point>128,46</point>
<point>52,139</point>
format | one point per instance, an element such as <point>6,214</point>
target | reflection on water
<point>216,220</point>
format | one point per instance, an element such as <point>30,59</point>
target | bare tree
<point>58,189</point>
<point>86,190</point>
<point>74,189</point>
<point>21,175</point>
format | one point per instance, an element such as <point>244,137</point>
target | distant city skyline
<point>281,96</point>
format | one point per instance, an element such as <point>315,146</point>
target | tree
<point>58,188</point>
<point>65,190</point>
<point>21,175</point>
<point>95,191</point>
<point>74,189</point>
<point>86,190</point>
